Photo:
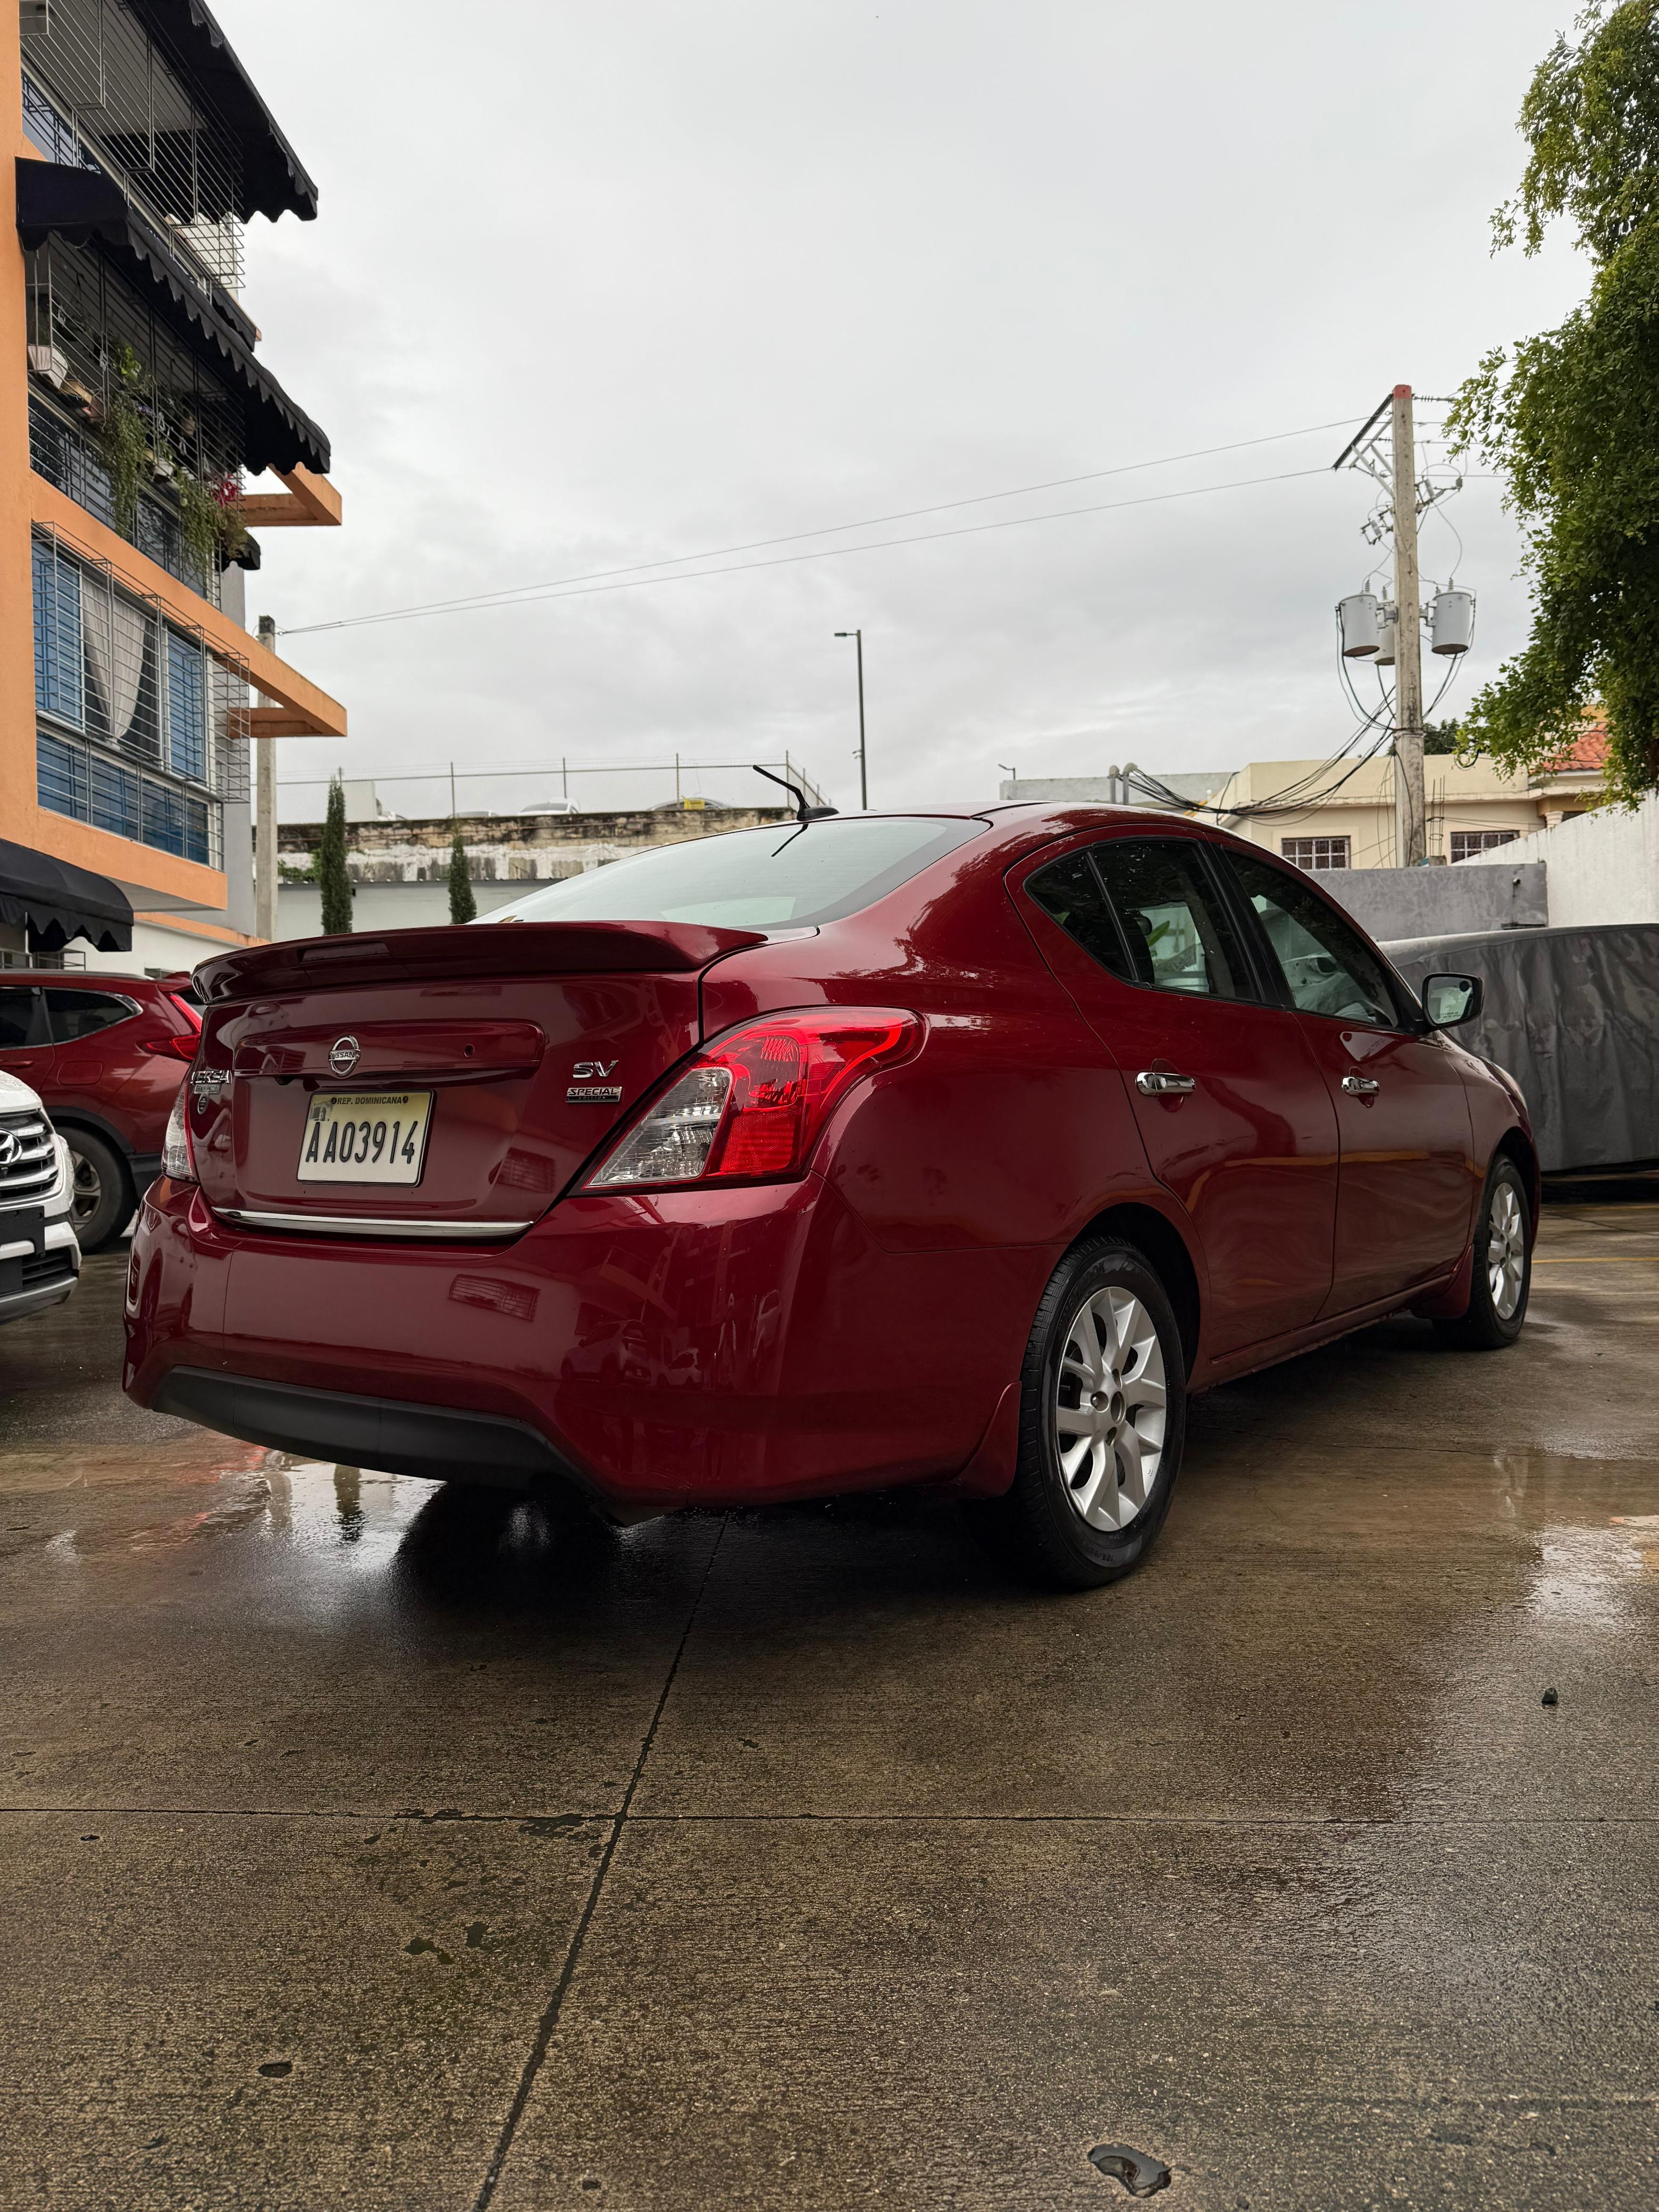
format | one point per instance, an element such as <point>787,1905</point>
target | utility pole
<point>863,778</point>
<point>1411,810</point>
<point>265,848</point>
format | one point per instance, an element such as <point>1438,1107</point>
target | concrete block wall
<point>1603,867</point>
<point>1441,902</point>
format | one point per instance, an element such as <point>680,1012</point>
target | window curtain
<point>116,632</point>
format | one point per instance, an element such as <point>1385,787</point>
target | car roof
<point>83,979</point>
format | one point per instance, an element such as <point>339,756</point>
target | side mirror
<point>1451,1000</point>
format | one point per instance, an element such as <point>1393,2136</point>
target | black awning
<point>58,901</point>
<point>84,206</point>
<point>273,178</point>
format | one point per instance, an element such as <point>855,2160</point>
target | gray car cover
<point>1573,1015</point>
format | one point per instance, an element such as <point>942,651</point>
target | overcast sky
<point>602,285</point>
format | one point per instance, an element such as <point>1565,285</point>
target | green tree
<point>1571,418</point>
<point>1442,738</point>
<point>462,907</point>
<point>331,878</point>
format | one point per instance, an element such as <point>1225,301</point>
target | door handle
<point>1160,1082</point>
<point>1361,1086</point>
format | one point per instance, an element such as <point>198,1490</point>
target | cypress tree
<point>331,878</point>
<point>462,907</point>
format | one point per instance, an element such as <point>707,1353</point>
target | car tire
<point>103,1200</point>
<point>1102,1422</point>
<point>1500,1278</point>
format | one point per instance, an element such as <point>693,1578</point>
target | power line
<point>831,530</point>
<point>581,587</point>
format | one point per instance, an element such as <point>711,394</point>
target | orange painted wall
<point>24,497</point>
<point>17,806</point>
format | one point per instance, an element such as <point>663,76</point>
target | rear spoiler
<point>524,948</point>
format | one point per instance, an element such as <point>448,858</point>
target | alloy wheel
<point>1109,1408</point>
<point>88,1186</point>
<point>1506,1250</point>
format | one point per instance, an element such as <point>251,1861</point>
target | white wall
<point>1603,867</point>
<point>152,946</point>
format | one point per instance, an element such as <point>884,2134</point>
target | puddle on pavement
<point>1585,1576</point>
<point>302,1505</point>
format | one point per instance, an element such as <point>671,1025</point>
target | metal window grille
<point>148,727</point>
<point>58,653</point>
<point>1465,841</point>
<point>186,708</point>
<point>1316,854</point>
<point>103,86</point>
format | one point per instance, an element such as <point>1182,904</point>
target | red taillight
<point>751,1106</point>
<point>178,1146</point>
<point>172,1047</point>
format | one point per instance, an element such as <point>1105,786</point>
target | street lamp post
<point>863,778</point>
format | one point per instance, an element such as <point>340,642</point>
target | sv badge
<point>591,1084</point>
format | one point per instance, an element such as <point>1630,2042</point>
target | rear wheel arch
<point>1165,1249</point>
<point>71,1118</point>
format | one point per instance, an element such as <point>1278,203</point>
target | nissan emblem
<point>343,1054</point>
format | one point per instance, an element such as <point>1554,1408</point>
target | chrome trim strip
<point>346,1225</point>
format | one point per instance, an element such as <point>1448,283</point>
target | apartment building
<point>135,412</point>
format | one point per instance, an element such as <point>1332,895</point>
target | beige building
<point>1348,821</point>
<point>1323,815</point>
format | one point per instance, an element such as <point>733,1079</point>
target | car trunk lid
<point>478,1067</point>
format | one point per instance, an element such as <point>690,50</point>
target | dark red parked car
<point>950,1149</point>
<point>106,1055</point>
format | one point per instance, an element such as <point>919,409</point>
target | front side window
<point>1176,933</point>
<point>790,876</point>
<point>1328,967</point>
<point>22,1019</point>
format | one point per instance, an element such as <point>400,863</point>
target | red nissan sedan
<point>953,1149</point>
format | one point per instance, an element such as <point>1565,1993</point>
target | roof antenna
<point>803,811</point>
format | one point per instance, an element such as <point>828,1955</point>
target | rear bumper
<point>685,1349</point>
<point>389,1434</point>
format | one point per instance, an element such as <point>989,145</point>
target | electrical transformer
<point>1451,621</point>
<point>1359,616</point>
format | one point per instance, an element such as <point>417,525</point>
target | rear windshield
<point>787,877</point>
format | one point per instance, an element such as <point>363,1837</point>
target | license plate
<point>364,1137</point>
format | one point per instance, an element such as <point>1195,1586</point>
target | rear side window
<point>83,1013</point>
<point>22,1019</point>
<point>1179,935</point>
<point>1328,968</point>
<point>790,876</point>
<point>1070,891</point>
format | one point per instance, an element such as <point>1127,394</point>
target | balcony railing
<point>65,457</point>
<point>127,422</point>
<point>99,91</point>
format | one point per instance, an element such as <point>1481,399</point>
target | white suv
<point>40,1258</point>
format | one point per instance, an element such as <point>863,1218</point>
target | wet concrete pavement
<point>363,1850</point>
